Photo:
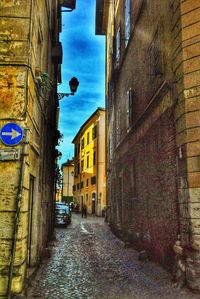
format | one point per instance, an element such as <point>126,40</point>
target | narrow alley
<point>88,261</point>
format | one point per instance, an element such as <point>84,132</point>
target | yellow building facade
<point>67,180</point>
<point>89,164</point>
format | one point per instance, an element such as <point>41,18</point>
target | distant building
<point>153,128</point>
<point>59,194</point>
<point>67,180</point>
<point>89,164</point>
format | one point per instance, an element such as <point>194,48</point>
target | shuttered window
<point>94,132</point>
<point>129,109</point>
<point>118,126</point>
<point>118,46</point>
<point>127,21</point>
<point>93,180</point>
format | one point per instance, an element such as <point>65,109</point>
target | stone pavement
<point>88,261</point>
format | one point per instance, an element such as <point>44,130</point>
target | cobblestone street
<point>88,261</point>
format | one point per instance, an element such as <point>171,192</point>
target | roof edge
<point>84,124</point>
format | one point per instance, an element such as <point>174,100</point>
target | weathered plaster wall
<point>23,24</point>
<point>14,31</point>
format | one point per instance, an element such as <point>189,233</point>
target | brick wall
<point>157,159</point>
<point>149,197</point>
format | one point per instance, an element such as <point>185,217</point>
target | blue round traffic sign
<point>11,134</point>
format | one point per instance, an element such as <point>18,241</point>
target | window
<point>78,168</point>
<point>88,161</point>
<point>75,150</point>
<point>78,148</point>
<point>82,185</point>
<point>93,180</point>
<point>87,182</point>
<point>127,21</point>
<point>86,196</point>
<point>74,187</point>
<point>94,132</point>
<point>82,165</point>
<point>39,51</point>
<point>88,137</point>
<point>110,96</point>
<point>129,109</point>
<point>155,56</point>
<point>120,198</point>
<point>75,169</point>
<point>78,186</point>
<point>118,126</point>
<point>110,43</point>
<point>117,46</point>
<point>133,178</point>
<point>94,158</point>
<point>110,148</point>
<point>82,143</point>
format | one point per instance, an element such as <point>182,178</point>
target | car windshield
<point>62,209</point>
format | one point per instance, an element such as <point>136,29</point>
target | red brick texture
<point>148,201</point>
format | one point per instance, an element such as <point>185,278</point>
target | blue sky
<point>83,58</point>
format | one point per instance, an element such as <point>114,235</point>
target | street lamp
<point>73,84</point>
<point>70,4</point>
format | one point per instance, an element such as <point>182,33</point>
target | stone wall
<point>22,101</point>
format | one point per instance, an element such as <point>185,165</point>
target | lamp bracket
<point>62,95</point>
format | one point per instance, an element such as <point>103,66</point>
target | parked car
<point>62,214</point>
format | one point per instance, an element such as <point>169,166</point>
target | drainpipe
<point>18,208</point>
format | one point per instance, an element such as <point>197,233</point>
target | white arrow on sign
<point>13,134</point>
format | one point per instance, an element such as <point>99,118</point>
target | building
<point>58,194</point>
<point>67,180</point>
<point>89,164</point>
<point>30,58</point>
<point>152,125</point>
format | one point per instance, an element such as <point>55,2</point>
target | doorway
<point>93,202</point>
<point>82,202</point>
